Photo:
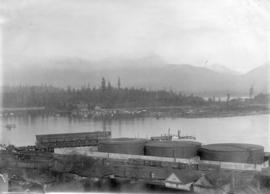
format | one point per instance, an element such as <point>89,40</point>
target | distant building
<point>98,108</point>
<point>81,110</point>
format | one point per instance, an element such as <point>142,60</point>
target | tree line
<point>106,95</point>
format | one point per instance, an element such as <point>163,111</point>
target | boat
<point>173,137</point>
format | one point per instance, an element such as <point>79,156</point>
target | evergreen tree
<point>119,83</point>
<point>103,84</point>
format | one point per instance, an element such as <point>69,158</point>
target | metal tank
<point>177,149</point>
<point>233,152</point>
<point>123,145</point>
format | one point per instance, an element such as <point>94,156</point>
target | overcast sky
<point>233,33</point>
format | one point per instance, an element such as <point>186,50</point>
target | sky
<point>234,34</point>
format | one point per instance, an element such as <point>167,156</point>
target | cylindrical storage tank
<point>233,152</point>
<point>123,145</point>
<point>177,149</point>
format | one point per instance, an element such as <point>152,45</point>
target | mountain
<point>149,73</point>
<point>257,78</point>
<point>222,69</point>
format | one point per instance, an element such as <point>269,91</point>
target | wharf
<point>190,174</point>
<point>71,139</point>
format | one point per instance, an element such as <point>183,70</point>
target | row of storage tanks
<point>229,152</point>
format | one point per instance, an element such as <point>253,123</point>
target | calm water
<point>246,129</point>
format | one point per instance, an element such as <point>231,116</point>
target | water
<point>244,129</point>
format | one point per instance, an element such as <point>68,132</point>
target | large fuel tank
<point>233,152</point>
<point>123,145</point>
<point>178,149</point>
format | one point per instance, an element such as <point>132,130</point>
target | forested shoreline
<point>106,96</point>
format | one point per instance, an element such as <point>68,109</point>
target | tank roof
<point>122,140</point>
<point>173,144</point>
<point>123,145</point>
<point>230,147</point>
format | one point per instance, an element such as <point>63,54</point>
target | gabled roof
<point>183,176</point>
<point>203,181</point>
<point>218,178</point>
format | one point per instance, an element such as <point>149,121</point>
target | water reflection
<point>120,126</point>
<point>247,129</point>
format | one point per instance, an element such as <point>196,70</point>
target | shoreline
<point>224,115</point>
<point>156,115</point>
